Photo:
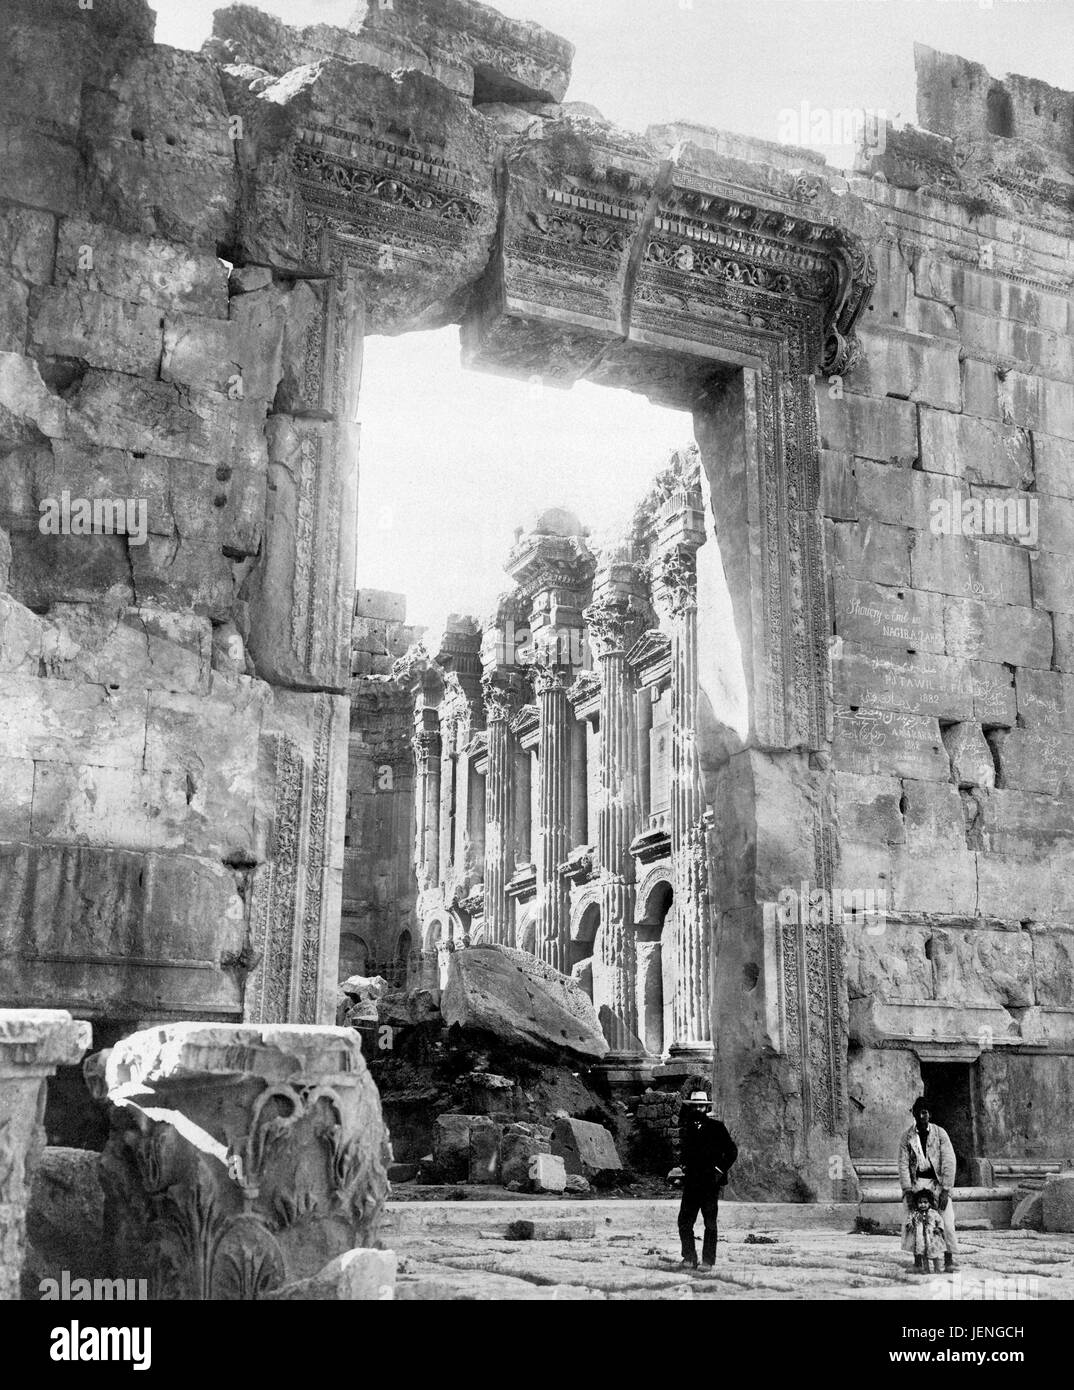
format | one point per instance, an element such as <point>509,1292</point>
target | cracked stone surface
<point>450,1260</point>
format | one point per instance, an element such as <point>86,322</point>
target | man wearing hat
<point>707,1154</point>
<point>927,1164</point>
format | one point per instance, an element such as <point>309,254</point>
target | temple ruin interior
<point>769,796</point>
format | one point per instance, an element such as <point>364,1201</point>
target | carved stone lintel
<point>33,1043</point>
<point>241,1159</point>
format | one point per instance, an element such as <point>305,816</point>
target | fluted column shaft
<point>554,808</point>
<point>616,822</point>
<point>499,826</point>
<point>427,807</point>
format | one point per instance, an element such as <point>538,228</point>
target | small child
<point>926,1225</point>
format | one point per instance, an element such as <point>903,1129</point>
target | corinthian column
<point>500,692</point>
<point>554,809</point>
<point>427,799</point>
<point>677,574</point>
<point>612,621</point>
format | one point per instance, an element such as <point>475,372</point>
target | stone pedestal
<point>241,1160</point>
<point>33,1043</point>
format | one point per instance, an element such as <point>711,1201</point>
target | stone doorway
<point>951,1091</point>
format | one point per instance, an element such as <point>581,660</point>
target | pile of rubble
<point>492,1084</point>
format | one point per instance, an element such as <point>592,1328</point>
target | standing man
<point>927,1164</point>
<point>707,1154</point>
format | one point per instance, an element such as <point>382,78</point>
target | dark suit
<point>707,1154</point>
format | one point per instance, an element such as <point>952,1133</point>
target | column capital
<point>612,622</point>
<point>551,678</point>
<point>674,572</point>
<point>501,693</point>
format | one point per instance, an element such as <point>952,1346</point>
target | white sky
<point>453,461</point>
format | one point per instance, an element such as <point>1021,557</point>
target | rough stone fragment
<point>519,1144</point>
<point>1028,1214</point>
<point>358,1276</point>
<point>33,1043</point>
<point>1057,1202</point>
<point>509,995</point>
<point>567,1228</point>
<point>971,758</point>
<point>65,1218</point>
<point>451,1147</point>
<point>547,1173</point>
<point>276,1129</point>
<point>585,1148</point>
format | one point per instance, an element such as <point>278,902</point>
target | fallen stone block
<point>451,1148</point>
<point>520,1143</point>
<point>547,1173</point>
<point>510,996</point>
<point>576,1183</point>
<point>357,1276</point>
<point>402,1172</point>
<point>586,1149</point>
<point>1058,1202</point>
<point>570,1229</point>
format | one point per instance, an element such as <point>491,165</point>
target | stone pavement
<point>457,1250</point>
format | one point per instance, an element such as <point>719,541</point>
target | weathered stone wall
<point>952,739</point>
<point>168,821</point>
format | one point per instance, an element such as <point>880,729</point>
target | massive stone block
<point>241,1159</point>
<point>510,996</point>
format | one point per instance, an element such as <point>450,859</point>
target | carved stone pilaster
<point>33,1043</point>
<point>241,1159</point>
<point>295,897</point>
